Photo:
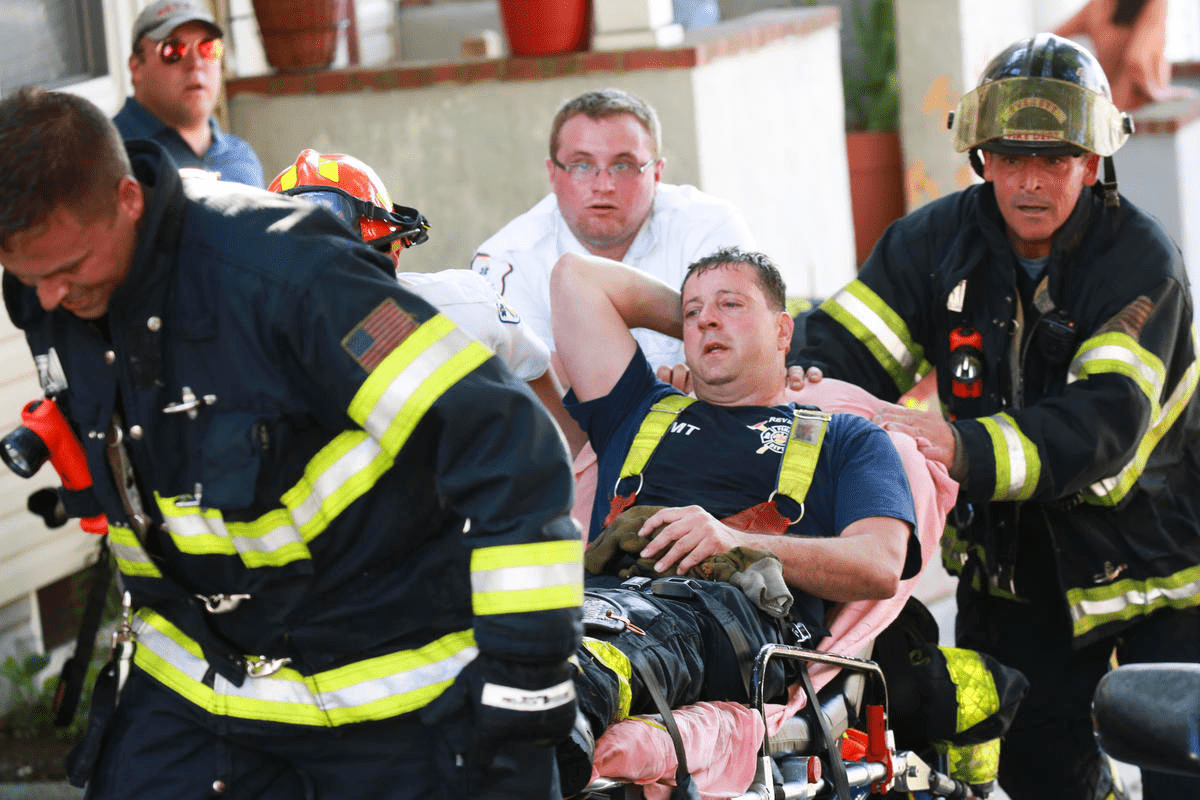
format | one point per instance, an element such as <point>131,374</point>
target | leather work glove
<point>507,701</point>
<point>605,555</point>
<point>758,573</point>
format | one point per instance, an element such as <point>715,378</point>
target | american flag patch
<point>379,334</point>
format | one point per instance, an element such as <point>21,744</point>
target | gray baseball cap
<point>158,19</point>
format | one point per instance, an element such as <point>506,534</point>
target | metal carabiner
<point>221,603</point>
<point>261,666</point>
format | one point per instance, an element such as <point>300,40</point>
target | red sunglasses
<point>172,51</point>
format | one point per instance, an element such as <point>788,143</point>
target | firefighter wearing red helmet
<point>1058,317</point>
<point>356,194</point>
<point>353,191</point>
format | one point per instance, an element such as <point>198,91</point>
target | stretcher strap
<point>685,787</point>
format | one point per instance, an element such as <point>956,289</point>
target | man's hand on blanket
<point>934,435</point>
<point>678,376</point>
<point>797,376</point>
<point>688,535</point>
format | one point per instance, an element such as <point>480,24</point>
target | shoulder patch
<point>493,269</point>
<point>381,332</point>
<point>506,313</point>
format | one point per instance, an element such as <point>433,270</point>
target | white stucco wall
<point>778,150</point>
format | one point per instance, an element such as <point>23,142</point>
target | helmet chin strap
<point>976,161</point>
<point>1109,184</point>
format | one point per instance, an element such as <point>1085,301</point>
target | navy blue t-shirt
<point>726,458</point>
<point>232,157</point>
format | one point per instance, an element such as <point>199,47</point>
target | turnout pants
<point>161,746</point>
<point>1050,750</point>
<point>695,639</point>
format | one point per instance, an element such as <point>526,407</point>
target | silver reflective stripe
<point>510,698</point>
<point>878,328</point>
<point>206,524</point>
<point>406,384</point>
<point>1114,605</point>
<point>1015,449</point>
<point>325,485</point>
<point>525,578</point>
<point>287,687</point>
<point>1158,428</point>
<point>1111,352</point>
<point>132,558</point>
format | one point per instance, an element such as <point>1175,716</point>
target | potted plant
<point>872,127</point>
<point>300,35</point>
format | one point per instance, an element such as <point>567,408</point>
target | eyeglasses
<point>620,172</point>
<point>411,226</point>
<point>172,51</point>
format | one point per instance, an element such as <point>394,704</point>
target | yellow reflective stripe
<point>1125,599</point>
<point>1111,491</point>
<point>658,419</point>
<point>884,333</point>
<point>389,404</point>
<point>372,689</point>
<point>269,541</point>
<point>973,763</point>
<point>518,578</point>
<point>608,655</point>
<point>799,460</point>
<point>1119,353</point>
<point>314,500</point>
<point>977,696</point>
<point>1018,466</point>
<point>132,558</point>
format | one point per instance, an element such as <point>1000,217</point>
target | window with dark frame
<point>51,43</point>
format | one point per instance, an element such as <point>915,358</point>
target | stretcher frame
<point>796,765</point>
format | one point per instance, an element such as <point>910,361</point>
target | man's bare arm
<point>863,563</point>
<point>594,304</point>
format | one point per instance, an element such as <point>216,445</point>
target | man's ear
<point>136,62</point>
<point>786,325</point>
<point>1091,169</point>
<point>658,169</point>
<point>130,200</point>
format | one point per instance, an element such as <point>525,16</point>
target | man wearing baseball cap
<point>176,72</point>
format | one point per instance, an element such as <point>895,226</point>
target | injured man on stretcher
<point>794,511</point>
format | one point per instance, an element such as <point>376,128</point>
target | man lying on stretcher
<point>739,469</point>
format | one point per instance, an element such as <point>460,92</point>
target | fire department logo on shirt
<point>774,434</point>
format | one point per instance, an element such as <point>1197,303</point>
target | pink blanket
<point>722,739</point>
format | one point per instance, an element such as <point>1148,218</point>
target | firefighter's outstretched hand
<point>678,376</point>
<point>933,434</point>
<point>797,376</point>
<point>688,535</point>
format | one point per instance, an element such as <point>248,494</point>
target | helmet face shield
<point>1035,114</point>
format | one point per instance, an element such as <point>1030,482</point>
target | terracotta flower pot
<point>876,185</point>
<point>545,27</point>
<point>300,35</point>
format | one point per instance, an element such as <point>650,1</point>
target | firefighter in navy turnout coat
<point>1059,319</point>
<point>342,521</point>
